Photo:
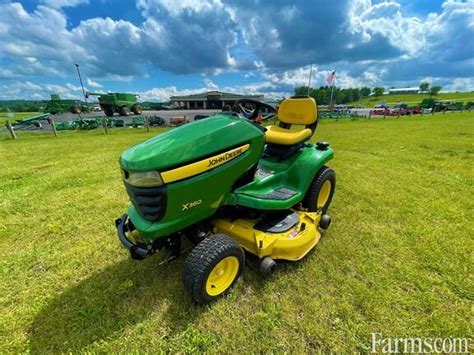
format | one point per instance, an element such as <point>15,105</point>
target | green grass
<point>13,116</point>
<point>397,258</point>
<point>413,99</point>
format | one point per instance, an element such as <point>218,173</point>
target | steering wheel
<point>252,114</point>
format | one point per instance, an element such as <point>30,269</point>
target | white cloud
<point>57,4</point>
<point>385,18</point>
<point>460,84</point>
<point>93,84</point>
<point>29,90</point>
<point>164,93</point>
<point>372,43</point>
<point>41,35</point>
<point>209,84</point>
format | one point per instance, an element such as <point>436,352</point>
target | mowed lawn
<point>397,258</point>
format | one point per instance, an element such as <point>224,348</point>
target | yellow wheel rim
<point>222,276</point>
<point>324,193</point>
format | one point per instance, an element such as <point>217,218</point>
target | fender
<point>294,175</point>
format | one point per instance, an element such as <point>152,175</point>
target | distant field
<point>412,99</point>
<point>4,116</point>
<point>397,258</point>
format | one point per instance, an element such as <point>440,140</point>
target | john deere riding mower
<point>118,102</point>
<point>229,185</point>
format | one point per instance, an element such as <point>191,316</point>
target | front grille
<point>150,202</point>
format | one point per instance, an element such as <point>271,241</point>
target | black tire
<point>313,201</point>
<point>124,111</point>
<point>137,109</point>
<point>203,259</point>
<point>267,266</point>
<point>109,112</point>
<point>325,221</point>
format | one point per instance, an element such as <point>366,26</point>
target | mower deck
<point>289,237</point>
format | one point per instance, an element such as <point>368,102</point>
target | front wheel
<point>320,192</point>
<point>137,109</point>
<point>212,268</point>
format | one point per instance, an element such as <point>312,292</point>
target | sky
<point>160,48</point>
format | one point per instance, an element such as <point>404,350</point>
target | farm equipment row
<point>337,114</point>
<point>110,103</point>
<point>96,122</point>
<point>86,123</point>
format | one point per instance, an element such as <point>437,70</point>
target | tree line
<point>21,105</point>
<point>322,95</point>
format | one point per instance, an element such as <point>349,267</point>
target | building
<point>210,100</point>
<point>412,90</point>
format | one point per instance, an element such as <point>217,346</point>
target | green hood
<point>189,142</point>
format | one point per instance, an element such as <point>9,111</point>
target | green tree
<point>355,94</point>
<point>424,86</point>
<point>435,90</point>
<point>378,91</point>
<point>365,91</point>
<point>302,90</point>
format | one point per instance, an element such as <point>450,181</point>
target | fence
<point>92,123</point>
<point>146,122</point>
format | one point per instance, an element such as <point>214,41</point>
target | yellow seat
<point>283,136</point>
<point>293,111</point>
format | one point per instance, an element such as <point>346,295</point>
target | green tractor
<point>230,186</point>
<point>57,105</point>
<point>435,105</point>
<point>122,103</point>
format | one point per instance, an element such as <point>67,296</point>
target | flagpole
<point>331,105</point>
<point>310,75</point>
<point>330,100</point>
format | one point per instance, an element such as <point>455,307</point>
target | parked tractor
<point>433,104</point>
<point>121,103</point>
<point>57,105</point>
<point>454,106</point>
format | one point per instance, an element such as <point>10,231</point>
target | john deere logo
<point>224,157</point>
<point>186,171</point>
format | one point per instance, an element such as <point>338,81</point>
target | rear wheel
<point>137,109</point>
<point>320,192</point>
<point>212,268</point>
<point>109,111</point>
<point>124,111</point>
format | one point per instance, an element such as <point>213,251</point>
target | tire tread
<point>202,260</point>
<point>311,197</point>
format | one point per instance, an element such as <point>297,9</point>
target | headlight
<point>146,179</point>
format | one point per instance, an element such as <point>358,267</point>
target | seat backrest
<point>298,110</point>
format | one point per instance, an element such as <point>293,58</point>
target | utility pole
<point>82,86</point>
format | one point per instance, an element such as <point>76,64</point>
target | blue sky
<point>159,48</point>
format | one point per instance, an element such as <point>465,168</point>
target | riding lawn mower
<point>231,186</point>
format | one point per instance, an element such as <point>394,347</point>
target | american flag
<point>331,76</point>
